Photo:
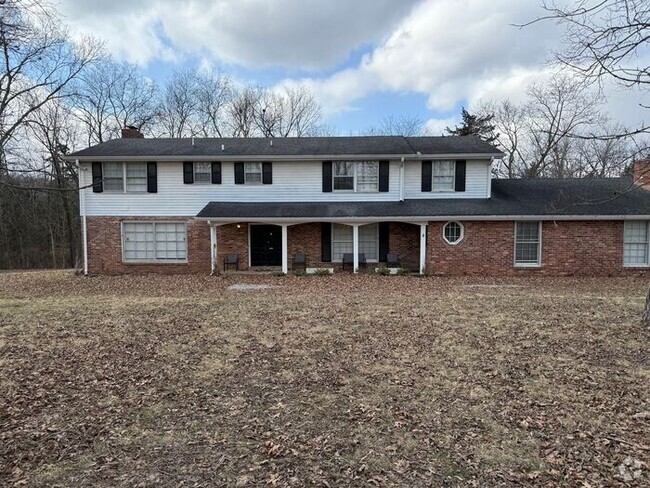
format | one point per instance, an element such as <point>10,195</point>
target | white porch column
<point>285,253</point>
<point>423,247</point>
<point>355,248</point>
<point>213,248</point>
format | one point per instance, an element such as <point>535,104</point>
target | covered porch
<point>270,243</point>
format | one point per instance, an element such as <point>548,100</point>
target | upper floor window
<point>443,175</point>
<point>361,176</point>
<point>202,172</point>
<point>528,243</point>
<point>118,176</point>
<point>253,173</point>
<point>636,241</point>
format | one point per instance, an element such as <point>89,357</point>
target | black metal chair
<point>348,259</point>
<point>231,260</point>
<point>299,261</point>
<point>392,260</point>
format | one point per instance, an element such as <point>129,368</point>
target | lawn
<point>322,381</point>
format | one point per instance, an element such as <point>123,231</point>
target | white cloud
<point>253,33</point>
<point>437,127</point>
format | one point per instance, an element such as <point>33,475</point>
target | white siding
<point>292,182</point>
<point>476,181</point>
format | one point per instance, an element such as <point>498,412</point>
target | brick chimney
<point>642,173</point>
<point>130,132</point>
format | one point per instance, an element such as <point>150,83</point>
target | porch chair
<point>299,261</point>
<point>392,260</point>
<point>231,260</point>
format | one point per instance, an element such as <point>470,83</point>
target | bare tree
<point>290,111</point>
<point>392,125</point>
<point>39,62</point>
<point>111,95</point>
<point>213,93</point>
<point>604,41</point>
<point>179,107</point>
<point>241,112</point>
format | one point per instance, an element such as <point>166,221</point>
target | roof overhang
<point>276,157</point>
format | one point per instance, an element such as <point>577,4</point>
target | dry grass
<point>324,381</point>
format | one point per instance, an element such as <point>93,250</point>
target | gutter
<point>268,157</point>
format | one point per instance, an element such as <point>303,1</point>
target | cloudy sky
<point>364,59</point>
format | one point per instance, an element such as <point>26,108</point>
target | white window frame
<point>539,245</point>
<point>154,260</point>
<point>195,165</point>
<point>433,176</point>
<point>647,243</point>
<point>124,178</point>
<point>352,241</point>
<point>355,176</point>
<point>462,233</point>
<point>261,173</point>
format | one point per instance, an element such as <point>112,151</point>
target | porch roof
<point>605,197</point>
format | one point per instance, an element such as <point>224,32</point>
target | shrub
<point>403,271</point>
<point>383,271</point>
<point>300,272</point>
<point>322,272</point>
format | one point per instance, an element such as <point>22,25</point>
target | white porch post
<point>355,248</point>
<point>213,248</point>
<point>423,247</point>
<point>285,253</point>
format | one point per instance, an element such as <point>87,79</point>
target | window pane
<point>341,241</point>
<point>171,241</point>
<point>113,177</point>
<point>367,176</point>
<point>527,243</point>
<point>136,177</point>
<point>342,168</point>
<point>443,175</point>
<point>344,183</point>
<point>369,240</point>
<point>202,172</point>
<point>138,241</point>
<point>635,247</point>
<point>253,172</point>
<point>452,232</point>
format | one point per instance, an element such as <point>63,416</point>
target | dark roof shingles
<point>289,146</point>
<point>538,197</point>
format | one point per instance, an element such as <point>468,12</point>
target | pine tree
<point>475,125</point>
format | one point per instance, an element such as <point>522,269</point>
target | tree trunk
<point>646,312</point>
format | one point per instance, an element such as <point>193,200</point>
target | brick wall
<point>105,247</point>
<point>568,248</point>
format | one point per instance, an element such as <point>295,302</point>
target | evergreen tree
<point>475,125</point>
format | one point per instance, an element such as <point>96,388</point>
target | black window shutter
<point>460,175</point>
<point>326,242</point>
<point>426,175</point>
<point>267,173</point>
<point>98,186</point>
<point>239,173</point>
<point>384,170</point>
<point>383,240</point>
<point>216,173</point>
<point>152,178</point>
<point>188,173</point>
<point>327,176</point>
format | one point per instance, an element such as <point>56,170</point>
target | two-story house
<point>185,205</point>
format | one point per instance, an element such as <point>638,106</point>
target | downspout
<point>489,178</point>
<point>401,180</point>
<point>82,208</point>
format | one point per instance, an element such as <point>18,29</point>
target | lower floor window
<point>528,239</point>
<point>342,241</point>
<point>154,241</point>
<point>635,243</point>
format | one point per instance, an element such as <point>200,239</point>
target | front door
<point>266,245</point>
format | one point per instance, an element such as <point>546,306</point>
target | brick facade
<point>568,248</point>
<point>593,247</point>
